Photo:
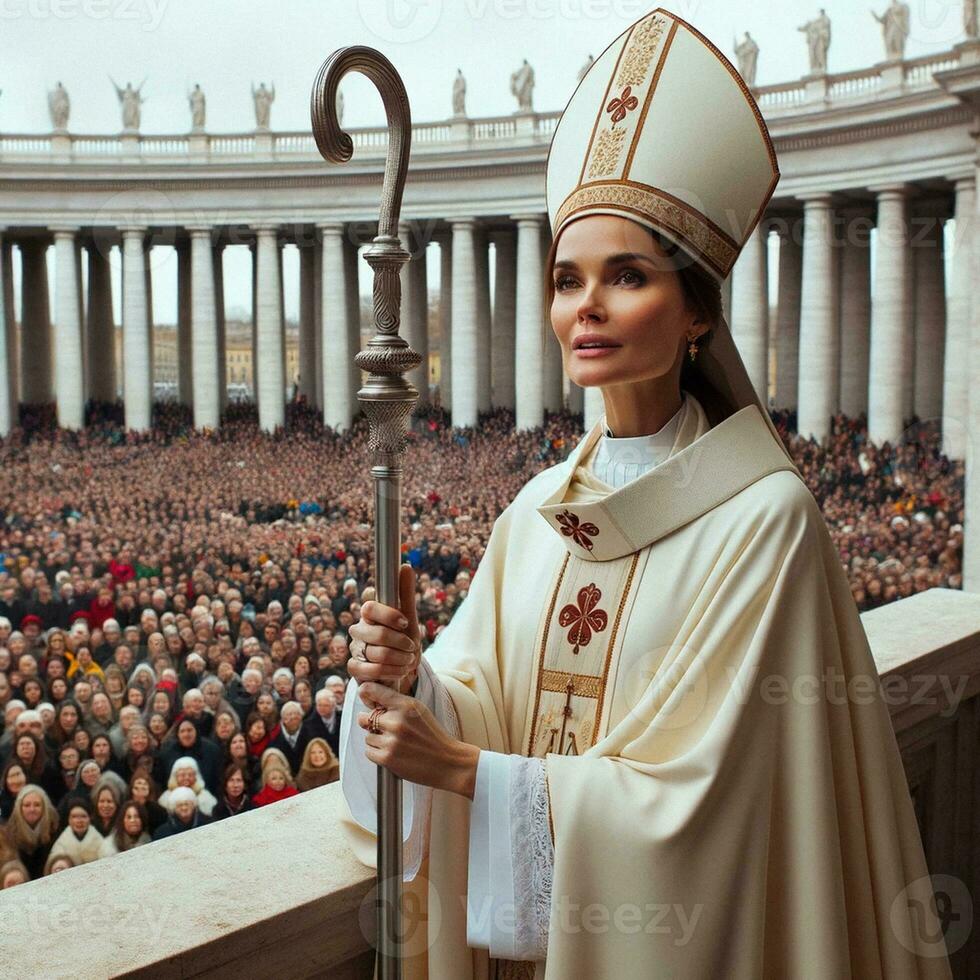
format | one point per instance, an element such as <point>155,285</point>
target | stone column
<point>7,404</point>
<point>100,335</point>
<point>502,332</point>
<point>956,378</point>
<point>890,316</point>
<point>204,330</point>
<point>137,355</point>
<point>750,309</point>
<point>316,368</point>
<point>465,324</point>
<point>269,360</point>
<point>552,370</point>
<point>287,379</point>
<point>529,364</point>
<point>254,351</point>
<point>446,322</point>
<point>353,294</point>
<point>336,333</point>
<point>929,292</point>
<point>185,361</point>
<point>414,325</point>
<point>219,309</point>
<point>69,373</point>
<point>148,287</point>
<point>819,334</point>
<point>971,502</point>
<point>788,315</point>
<point>10,319</point>
<point>855,309</point>
<point>307,337</point>
<point>483,320</point>
<point>35,323</point>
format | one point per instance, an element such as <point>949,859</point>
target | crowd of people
<point>175,605</point>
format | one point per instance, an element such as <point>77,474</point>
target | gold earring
<point>692,349</point>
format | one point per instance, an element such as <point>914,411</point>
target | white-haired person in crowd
<point>185,773</point>
<point>184,814</point>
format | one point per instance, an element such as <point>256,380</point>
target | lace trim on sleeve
<point>534,857</point>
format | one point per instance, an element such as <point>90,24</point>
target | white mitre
<point>663,130</point>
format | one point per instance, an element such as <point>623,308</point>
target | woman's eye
<point>631,272</point>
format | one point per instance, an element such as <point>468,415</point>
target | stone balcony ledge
<point>275,892</point>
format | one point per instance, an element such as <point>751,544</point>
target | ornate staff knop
<point>387,399</point>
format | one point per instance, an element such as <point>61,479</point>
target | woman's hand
<point>391,637</point>
<point>412,743</point>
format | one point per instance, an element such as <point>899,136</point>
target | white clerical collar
<point>620,459</point>
<point>663,436</point>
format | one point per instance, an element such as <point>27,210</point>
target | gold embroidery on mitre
<point>606,152</point>
<point>691,227</point>
<point>639,54</point>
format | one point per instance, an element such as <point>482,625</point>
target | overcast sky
<point>226,45</point>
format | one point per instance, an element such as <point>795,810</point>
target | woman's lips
<point>594,351</point>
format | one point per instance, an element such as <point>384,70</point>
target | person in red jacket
<point>277,780</point>
<point>101,609</point>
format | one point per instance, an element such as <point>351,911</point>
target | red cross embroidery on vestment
<point>580,532</point>
<point>583,618</point>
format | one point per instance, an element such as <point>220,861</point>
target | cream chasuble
<point>674,650</point>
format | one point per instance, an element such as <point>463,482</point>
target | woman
<point>12,781</point>
<point>131,829</point>
<point>32,828</point>
<point>186,773</point>
<point>143,790</point>
<point>57,690</point>
<point>56,863</point>
<point>13,873</point>
<point>225,725</point>
<point>32,692</point>
<point>319,766</point>
<point>29,751</point>
<point>115,686</point>
<point>257,734</point>
<point>101,751</point>
<point>186,741</point>
<point>303,693</point>
<point>139,752</point>
<point>86,777</point>
<point>106,799</point>
<point>602,671</point>
<point>233,796</point>
<point>79,840</point>
<point>67,719</point>
<point>277,781</point>
<point>238,752</point>
<point>101,716</point>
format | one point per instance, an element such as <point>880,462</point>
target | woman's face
<point>78,820</point>
<point>186,734</point>
<point>212,696</point>
<point>101,750</point>
<point>235,785</point>
<point>636,303</point>
<point>186,776</point>
<point>132,823</point>
<point>68,717</point>
<point>139,741</point>
<point>141,790</point>
<point>134,696</point>
<point>26,749</point>
<point>158,725</point>
<point>276,779</point>
<point>265,703</point>
<point>317,756</point>
<point>90,775</point>
<point>160,702</point>
<point>237,748</point>
<point>59,689</point>
<point>224,727</point>
<point>256,731</point>
<point>61,864</point>
<point>16,780</point>
<point>106,805</point>
<point>81,740</point>
<point>31,809</point>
